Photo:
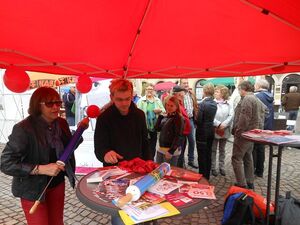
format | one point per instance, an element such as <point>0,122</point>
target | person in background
<point>121,131</point>
<point>135,97</point>
<point>191,107</point>
<point>247,117</point>
<point>30,156</point>
<point>222,124</point>
<point>235,96</point>
<point>205,129</point>
<point>261,92</point>
<point>170,128</point>
<point>164,95</point>
<point>179,93</point>
<point>69,100</point>
<point>291,103</point>
<point>152,107</point>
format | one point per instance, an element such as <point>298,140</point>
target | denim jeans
<point>71,121</point>
<point>292,116</point>
<point>160,158</point>
<point>191,141</point>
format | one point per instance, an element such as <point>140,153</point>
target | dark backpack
<point>238,210</point>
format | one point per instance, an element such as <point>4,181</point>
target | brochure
<point>164,187</point>
<point>198,191</point>
<point>178,199</point>
<point>82,170</point>
<point>102,175</point>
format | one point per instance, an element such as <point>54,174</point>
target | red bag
<point>138,165</point>
<point>259,200</point>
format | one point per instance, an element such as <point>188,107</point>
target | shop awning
<point>227,81</point>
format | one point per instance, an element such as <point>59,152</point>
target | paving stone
<point>78,214</point>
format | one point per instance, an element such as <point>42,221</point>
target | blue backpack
<point>238,210</point>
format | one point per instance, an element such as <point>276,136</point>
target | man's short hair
<point>262,83</point>
<point>120,85</point>
<point>293,88</point>
<point>246,86</point>
<point>209,89</point>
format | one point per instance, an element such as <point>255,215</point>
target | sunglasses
<point>51,104</point>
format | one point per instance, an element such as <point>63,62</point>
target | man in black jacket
<point>261,92</point>
<point>121,131</point>
<point>205,132</point>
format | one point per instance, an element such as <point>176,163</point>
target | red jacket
<point>187,124</point>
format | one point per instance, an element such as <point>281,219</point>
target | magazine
<point>136,214</point>
<point>141,211</point>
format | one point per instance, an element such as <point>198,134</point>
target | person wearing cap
<point>179,93</point>
<point>191,107</point>
<point>205,131</point>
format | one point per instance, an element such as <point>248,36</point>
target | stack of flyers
<point>153,198</point>
<point>164,187</point>
<point>103,174</point>
<point>178,199</point>
<point>111,189</point>
<point>198,191</point>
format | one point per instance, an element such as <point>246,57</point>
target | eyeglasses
<point>149,89</point>
<point>51,104</point>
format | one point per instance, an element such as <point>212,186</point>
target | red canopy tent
<point>151,38</point>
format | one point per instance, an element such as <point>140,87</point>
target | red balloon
<point>16,79</point>
<point>93,111</point>
<point>84,84</point>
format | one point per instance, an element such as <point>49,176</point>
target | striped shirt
<point>188,104</point>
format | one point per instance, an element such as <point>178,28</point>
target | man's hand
<point>222,127</point>
<point>112,157</point>
<point>168,156</point>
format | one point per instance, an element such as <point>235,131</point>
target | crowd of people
<point>147,127</point>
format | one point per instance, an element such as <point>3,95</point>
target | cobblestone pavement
<point>76,213</point>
